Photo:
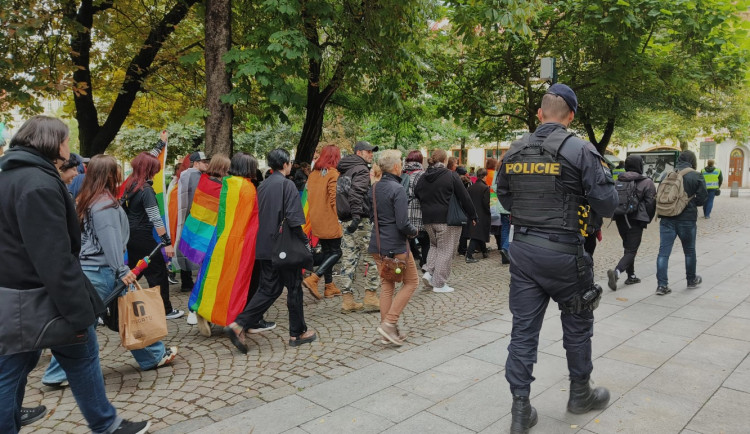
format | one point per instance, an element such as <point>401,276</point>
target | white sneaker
<point>427,279</point>
<point>192,318</point>
<point>445,288</point>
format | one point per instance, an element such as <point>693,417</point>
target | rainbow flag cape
<point>220,292</point>
<point>172,210</point>
<point>307,227</point>
<point>160,186</point>
<point>200,225</point>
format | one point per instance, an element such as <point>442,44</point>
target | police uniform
<point>550,181</point>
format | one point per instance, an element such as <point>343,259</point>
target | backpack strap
<point>555,141</point>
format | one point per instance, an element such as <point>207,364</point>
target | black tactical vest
<point>535,171</point>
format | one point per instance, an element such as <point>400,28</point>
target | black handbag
<point>31,322</point>
<point>456,215</point>
<point>288,250</point>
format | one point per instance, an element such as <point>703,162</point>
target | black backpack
<point>343,186</point>
<point>628,200</point>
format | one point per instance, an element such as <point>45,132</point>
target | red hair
<point>329,157</point>
<point>145,167</point>
<point>415,157</point>
<point>184,165</point>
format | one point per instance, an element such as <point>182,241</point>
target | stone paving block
<point>275,417</point>
<point>465,366</point>
<point>394,404</point>
<point>725,412</point>
<point>616,326</point>
<point>687,380</point>
<point>600,344</point>
<point>741,311</point>
<point>689,328</point>
<point>553,402</point>
<point>229,411</point>
<point>436,386</point>
<point>704,309</point>
<point>477,407</point>
<point>648,348</point>
<point>495,352</point>
<point>356,385</point>
<point>545,425</point>
<point>617,376</point>
<point>740,377</point>
<point>731,327</point>
<point>425,422</point>
<point>606,310</point>
<point>441,350</point>
<point>188,426</point>
<point>644,411</point>
<point>644,314</point>
<point>295,430</point>
<point>499,326</point>
<point>548,370</point>
<point>714,351</point>
<point>347,420</point>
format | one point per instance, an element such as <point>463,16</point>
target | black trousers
<point>476,246</point>
<point>254,282</point>
<point>420,247</point>
<point>140,245</point>
<point>272,283</point>
<point>186,279</point>
<point>631,241</point>
<point>536,275</point>
<point>331,256</point>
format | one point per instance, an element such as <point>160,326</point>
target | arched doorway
<point>736,163</point>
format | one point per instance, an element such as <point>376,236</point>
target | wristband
<point>165,239</point>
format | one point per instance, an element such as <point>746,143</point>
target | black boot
<point>583,398</point>
<point>524,415</point>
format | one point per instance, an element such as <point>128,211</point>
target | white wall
<point>723,150</point>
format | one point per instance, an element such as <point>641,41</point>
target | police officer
<point>551,181</point>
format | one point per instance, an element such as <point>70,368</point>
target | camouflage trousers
<point>355,261</point>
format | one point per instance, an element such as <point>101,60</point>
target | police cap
<point>566,94</point>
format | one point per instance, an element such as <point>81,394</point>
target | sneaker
<point>445,288</point>
<point>427,279</point>
<point>204,327</point>
<point>390,332</point>
<point>128,427</point>
<point>172,280</point>
<point>471,260</point>
<point>612,276</point>
<point>695,282</point>
<point>31,415</point>
<point>168,357</point>
<point>262,326</point>
<point>192,318</point>
<point>59,385</point>
<point>663,290</point>
<point>175,314</point>
<point>632,280</point>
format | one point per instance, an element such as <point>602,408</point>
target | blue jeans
<point>505,230</point>
<point>668,231</point>
<point>103,279</point>
<point>81,363</point>
<point>709,205</point>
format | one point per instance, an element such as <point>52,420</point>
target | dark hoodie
<point>694,184</point>
<point>434,191</point>
<point>645,190</point>
<point>356,168</point>
<point>40,237</point>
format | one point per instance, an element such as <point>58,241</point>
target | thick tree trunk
<point>218,80</point>
<point>94,139</point>
<point>311,130</point>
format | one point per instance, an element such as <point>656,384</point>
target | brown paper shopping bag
<point>142,318</point>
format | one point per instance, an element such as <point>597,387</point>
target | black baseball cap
<point>197,156</point>
<point>364,146</point>
<point>566,94</point>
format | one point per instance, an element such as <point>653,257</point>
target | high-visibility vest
<point>712,178</point>
<point>616,173</point>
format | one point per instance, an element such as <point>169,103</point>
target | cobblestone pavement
<point>210,380</point>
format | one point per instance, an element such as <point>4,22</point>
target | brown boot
<point>311,283</point>
<point>372,302</point>
<point>348,305</point>
<point>331,290</point>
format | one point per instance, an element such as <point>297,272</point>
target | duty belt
<point>545,243</point>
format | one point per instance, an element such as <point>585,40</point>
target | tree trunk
<point>218,80</point>
<point>312,129</point>
<point>463,151</point>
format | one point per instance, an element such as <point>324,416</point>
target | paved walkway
<point>672,363</point>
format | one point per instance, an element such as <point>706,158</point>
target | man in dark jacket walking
<point>479,233</point>
<point>434,191</point>
<point>357,231</point>
<point>631,225</point>
<point>683,226</point>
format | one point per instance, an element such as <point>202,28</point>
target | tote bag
<point>142,318</point>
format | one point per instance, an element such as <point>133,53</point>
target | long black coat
<point>480,196</point>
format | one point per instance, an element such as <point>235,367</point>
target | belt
<point>545,243</point>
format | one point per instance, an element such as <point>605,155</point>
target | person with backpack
<point>714,179</point>
<point>353,211</point>
<point>678,197</point>
<point>635,210</point>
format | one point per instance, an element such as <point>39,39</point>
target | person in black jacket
<point>479,233</point>
<point>41,239</point>
<point>389,238</point>
<point>434,191</point>
<point>682,225</point>
<point>631,226</point>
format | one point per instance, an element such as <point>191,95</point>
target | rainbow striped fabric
<point>160,186</point>
<point>220,292</point>
<point>200,225</point>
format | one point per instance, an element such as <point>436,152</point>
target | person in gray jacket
<point>631,226</point>
<point>104,238</point>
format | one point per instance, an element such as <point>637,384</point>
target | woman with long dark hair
<point>321,199</point>
<point>139,203</point>
<point>104,236</point>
